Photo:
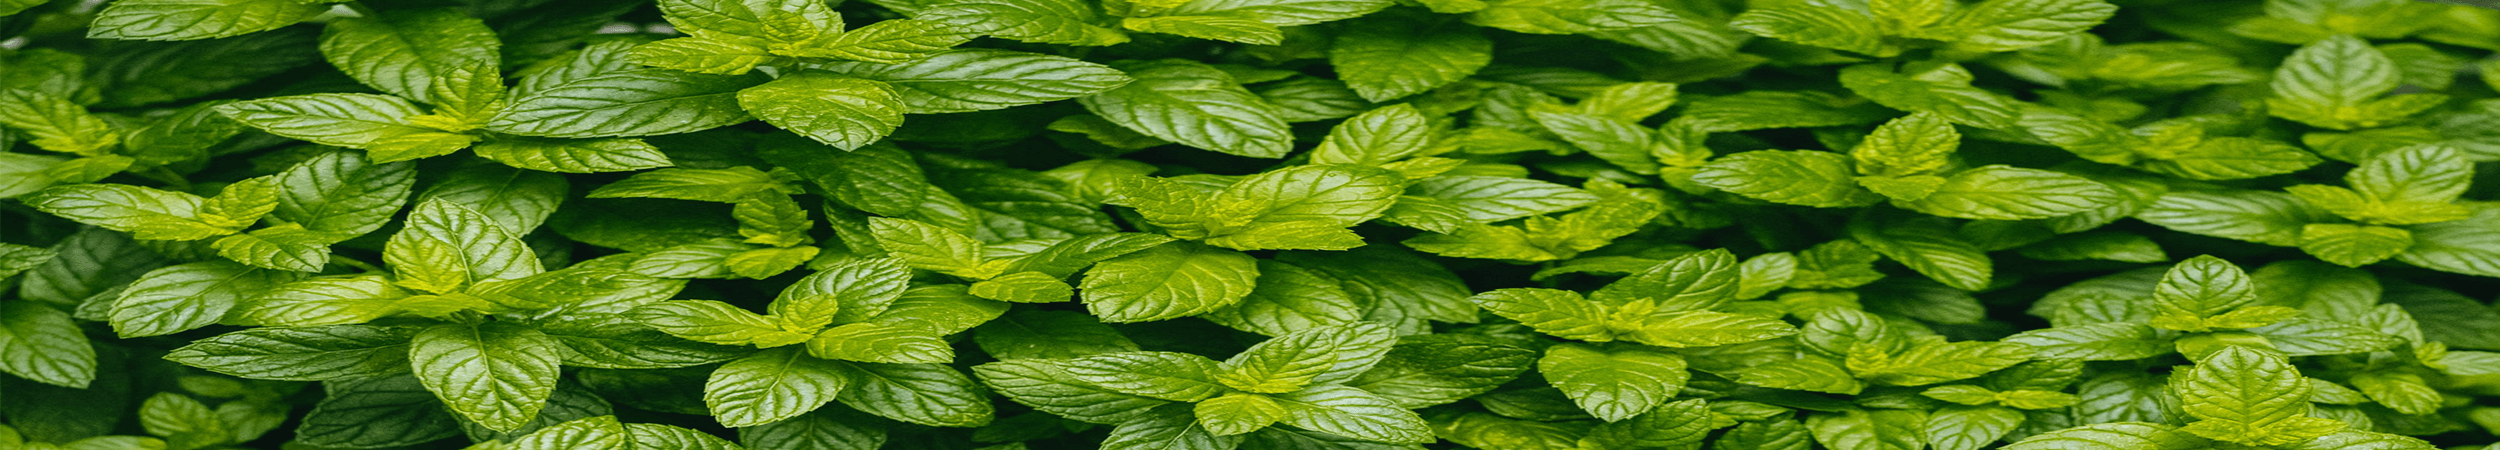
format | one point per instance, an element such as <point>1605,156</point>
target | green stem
<point>352,262</point>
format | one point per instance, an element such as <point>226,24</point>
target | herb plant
<point>1249,224</point>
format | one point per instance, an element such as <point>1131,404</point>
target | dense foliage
<point>1252,224</point>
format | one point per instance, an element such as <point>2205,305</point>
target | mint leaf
<point>181,20</point>
<point>1172,280</point>
<point>1614,383</point>
<point>495,373</point>
<point>1195,105</point>
<point>624,103</point>
<point>446,246</point>
<point>980,79</point>
<point>48,346</point>
<point>145,213</point>
<point>771,386</point>
<point>1388,59</point>
<point>843,112</point>
<point>189,296</point>
<point>404,53</point>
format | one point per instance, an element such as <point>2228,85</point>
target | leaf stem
<point>352,262</point>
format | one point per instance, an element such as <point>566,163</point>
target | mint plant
<point>1249,225</point>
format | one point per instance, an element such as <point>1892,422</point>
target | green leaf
<point>1024,287</point>
<point>1805,374</point>
<point>345,120</point>
<point>45,346</point>
<point>1917,144</point>
<point>2301,336</point>
<point>1195,105</point>
<point>1430,370</point>
<point>1170,428</point>
<point>1691,282</point>
<point>1761,109</point>
<point>2425,174</point>
<point>615,341</point>
<point>1883,429</point>
<point>1172,280</point>
<point>1375,137</point>
<point>2332,83</point>
<point>342,193</point>
<point>1942,89</point>
<point>930,247</point>
<point>1220,27</point>
<point>302,354</point>
<point>2469,246</point>
<point>1238,413</point>
<point>717,323</point>
<point>771,386</point>
<point>572,156</point>
<point>925,394</point>
<point>445,246</point>
<point>2353,245</point>
<point>742,18</point>
<point>886,42</point>
<point>185,297</point>
<point>1289,298</point>
<point>1941,256</point>
<point>1970,427</point>
<point>822,430</point>
<point>606,432</point>
<point>1614,383</point>
<point>1803,178</point>
<point>145,213</point>
<point>285,247</point>
<point>2205,286</point>
<point>2254,216</point>
<point>1559,313</point>
<point>182,20</point>
<point>982,79</point>
<point>382,411</point>
<point>1389,59</point>
<point>704,54</point>
<point>2248,396</point>
<point>1705,329</point>
<point>2003,25</point>
<point>1035,21</point>
<point>1567,16</point>
<point>2012,193</point>
<point>1170,376</point>
<point>881,343</point>
<point>1932,363</point>
<point>1619,142</point>
<point>495,373</point>
<point>1313,356</point>
<point>1026,334</point>
<point>1047,387</point>
<point>405,52</point>
<point>2095,342</point>
<point>2110,246</point>
<point>2113,436</point>
<point>1833,28</point>
<point>843,112</point>
<point>2363,440</point>
<point>517,201</point>
<point>730,185</point>
<point>847,291</point>
<point>1354,413</point>
<point>1681,423</point>
<point>621,103</point>
<point>55,123</point>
